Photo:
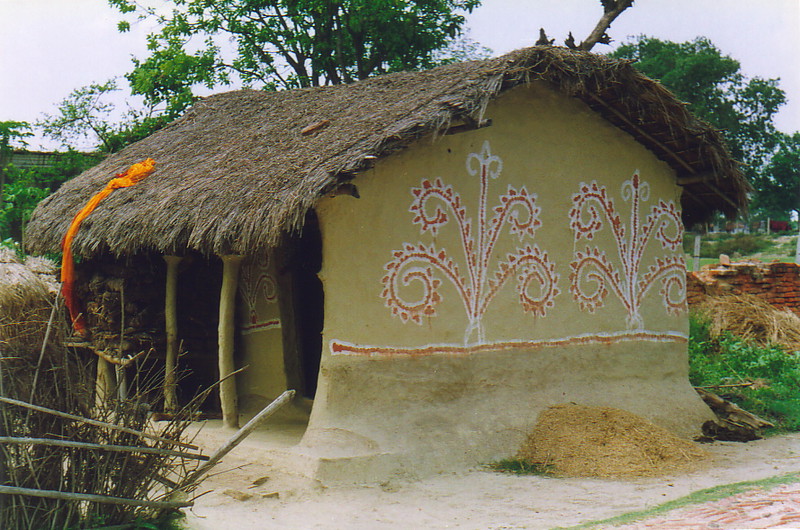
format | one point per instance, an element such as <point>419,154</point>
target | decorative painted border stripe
<point>261,326</point>
<point>344,348</point>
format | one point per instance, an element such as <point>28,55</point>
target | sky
<point>50,47</point>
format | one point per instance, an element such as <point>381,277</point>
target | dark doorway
<point>199,284</point>
<point>301,299</point>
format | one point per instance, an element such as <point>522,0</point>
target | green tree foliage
<point>12,135</point>
<point>25,187</point>
<point>87,113</point>
<point>778,185</point>
<point>285,43</point>
<point>716,91</point>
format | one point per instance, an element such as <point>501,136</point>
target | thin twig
<point>11,490</point>
<point>96,423</point>
<point>44,346</point>
<point>734,385</point>
<point>101,447</point>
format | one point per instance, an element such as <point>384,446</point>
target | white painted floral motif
<point>592,265</point>
<point>434,206</point>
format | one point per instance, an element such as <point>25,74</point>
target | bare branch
<point>611,10</point>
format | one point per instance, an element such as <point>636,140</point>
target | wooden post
<point>171,325</point>
<point>119,370</point>
<point>797,250</point>
<point>696,255</point>
<point>104,387</point>
<point>226,331</point>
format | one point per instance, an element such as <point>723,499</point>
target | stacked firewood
<point>123,305</point>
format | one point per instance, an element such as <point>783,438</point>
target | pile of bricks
<point>775,283</point>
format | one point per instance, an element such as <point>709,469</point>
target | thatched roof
<point>235,171</point>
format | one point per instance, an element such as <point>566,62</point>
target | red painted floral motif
<point>435,205</point>
<point>594,275</point>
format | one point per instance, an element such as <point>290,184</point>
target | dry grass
<point>25,303</point>
<point>752,318</point>
<point>576,440</point>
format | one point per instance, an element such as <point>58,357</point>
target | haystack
<point>25,302</point>
<point>576,440</point>
<point>46,269</point>
<point>750,317</point>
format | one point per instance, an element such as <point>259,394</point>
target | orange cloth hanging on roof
<point>135,174</point>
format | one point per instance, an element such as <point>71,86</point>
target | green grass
<point>765,247</point>
<point>703,261</point>
<point>168,521</point>
<point>707,495</point>
<point>730,360</point>
<point>521,467</point>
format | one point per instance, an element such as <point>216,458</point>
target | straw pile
<point>20,287</point>
<point>576,440</point>
<point>25,303</point>
<point>750,317</point>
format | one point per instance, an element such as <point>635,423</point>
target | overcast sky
<point>50,47</point>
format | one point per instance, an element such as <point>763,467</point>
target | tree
<point>26,187</point>
<point>11,133</point>
<point>286,43</point>
<point>86,114</point>
<point>716,91</point>
<point>611,10</point>
<point>82,114</point>
<point>778,185</point>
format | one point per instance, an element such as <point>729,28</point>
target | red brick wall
<point>776,283</point>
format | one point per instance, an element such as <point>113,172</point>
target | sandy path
<point>471,500</point>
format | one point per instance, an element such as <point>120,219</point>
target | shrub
<point>729,360</point>
<point>741,244</point>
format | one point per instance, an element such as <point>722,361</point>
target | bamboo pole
<point>65,495</point>
<point>171,325</point>
<point>96,423</point>
<point>226,332</point>
<point>53,442</point>
<point>3,422</point>
<point>235,440</point>
<point>797,250</point>
<point>696,255</point>
<point>104,385</point>
<point>44,344</point>
<point>119,370</point>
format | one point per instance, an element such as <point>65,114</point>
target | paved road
<point>777,507</point>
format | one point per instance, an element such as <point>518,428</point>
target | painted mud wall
<point>483,276</point>
<point>261,346</point>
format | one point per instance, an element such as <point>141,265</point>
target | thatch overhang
<point>241,168</point>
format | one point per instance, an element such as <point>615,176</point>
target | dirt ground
<point>244,495</point>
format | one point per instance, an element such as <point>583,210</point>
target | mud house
<point>433,257</point>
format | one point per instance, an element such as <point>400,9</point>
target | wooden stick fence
<point>186,484</point>
<point>101,447</point>
<point>96,423</point>
<point>194,477</point>
<point>68,496</point>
